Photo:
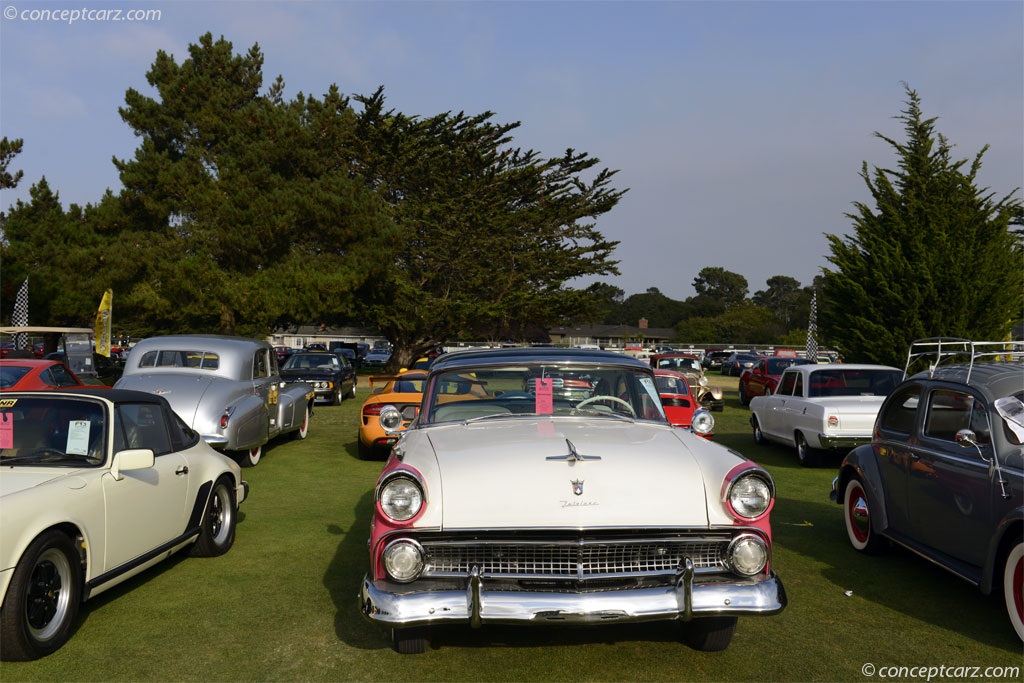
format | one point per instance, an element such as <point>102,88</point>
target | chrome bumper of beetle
<point>847,442</point>
<point>476,605</point>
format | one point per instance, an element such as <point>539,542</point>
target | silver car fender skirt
<point>393,605</point>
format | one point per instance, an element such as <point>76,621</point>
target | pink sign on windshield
<point>543,390</point>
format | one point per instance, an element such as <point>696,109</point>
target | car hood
<point>16,479</point>
<point>520,473</point>
<point>184,392</point>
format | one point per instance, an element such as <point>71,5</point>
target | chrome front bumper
<point>684,600</point>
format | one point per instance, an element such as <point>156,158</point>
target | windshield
<point>542,389</point>
<point>309,361</point>
<point>51,431</point>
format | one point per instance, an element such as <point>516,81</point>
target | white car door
<point>146,508</point>
<point>775,405</point>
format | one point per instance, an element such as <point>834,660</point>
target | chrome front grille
<point>575,559</point>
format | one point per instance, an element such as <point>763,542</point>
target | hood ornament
<point>573,456</point>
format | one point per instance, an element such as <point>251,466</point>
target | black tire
<point>409,641</point>
<point>217,532</point>
<point>352,392</point>
<point>337,397</point>
<point>303,431</point>
<point>42,599</point>
<point>709,634</point>
<point>860,529</point>
<point>743,395</point>
<point>759,437</point>
<point>807,456</point>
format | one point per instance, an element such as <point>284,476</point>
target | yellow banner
<point>103,324</point>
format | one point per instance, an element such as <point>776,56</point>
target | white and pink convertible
<point>545,487</point>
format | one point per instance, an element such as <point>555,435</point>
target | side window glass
<point>900,411</point>
<point>949,411</point>
<point>260,365</point>
<point>786,385</point>
<point>798,387</point>
<point>61,376</point>
<point>144,427</point>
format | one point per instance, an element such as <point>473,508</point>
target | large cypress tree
<point>934,257</point>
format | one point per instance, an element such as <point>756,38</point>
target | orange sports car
<point>404,391</point>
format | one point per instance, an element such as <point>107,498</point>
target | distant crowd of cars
<point>516,485</point>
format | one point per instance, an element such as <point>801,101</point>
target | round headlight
<point>702,422</point>
<point>748,555</point>
<point>401,498</point>
<point>750,496</point>
<point>390,418</point>
<point>703,381</point>
<point>403,560</point>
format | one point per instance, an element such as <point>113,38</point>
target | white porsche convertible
<point>96,486</point>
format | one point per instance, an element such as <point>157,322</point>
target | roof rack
<point>935,350</point>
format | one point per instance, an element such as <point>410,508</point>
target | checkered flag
<point>20,315</point>
<point>812,329</point>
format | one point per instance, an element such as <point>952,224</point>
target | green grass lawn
<point>282,604</point>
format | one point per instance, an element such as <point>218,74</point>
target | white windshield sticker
<point>78,437</point>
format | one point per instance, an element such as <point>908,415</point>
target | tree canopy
<point>934,257</point>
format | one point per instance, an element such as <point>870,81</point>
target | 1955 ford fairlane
<point>545,486</point>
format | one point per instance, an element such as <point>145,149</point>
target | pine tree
<point>935,257</point>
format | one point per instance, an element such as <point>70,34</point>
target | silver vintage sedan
<point>228,389</point>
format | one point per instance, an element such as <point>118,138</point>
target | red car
<point>681,408</point>
<point>763,377</point>
<point>24,374</point>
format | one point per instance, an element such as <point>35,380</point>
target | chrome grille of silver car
<point>578,559</point>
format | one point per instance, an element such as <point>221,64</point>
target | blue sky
<point>739,128</point>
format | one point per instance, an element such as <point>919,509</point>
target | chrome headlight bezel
<point>747,555</point>
<point>403,560</point>
<point>390,418</point>
<point>702,422</point>
<point>750,495</point>
<point>401,497</point>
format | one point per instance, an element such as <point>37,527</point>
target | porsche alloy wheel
<point>1013,587</point>
<point>217,533</point>
<point>42,598</point>
<point>857,514</point>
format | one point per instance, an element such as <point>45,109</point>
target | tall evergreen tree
<point>244,205</point>
<point>725,286</point>
<point>489,234</point>
<point>935,257</point>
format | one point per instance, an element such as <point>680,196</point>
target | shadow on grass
<point>895,580</point>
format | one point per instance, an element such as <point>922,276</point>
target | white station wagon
<point>546,487</point>
<point>819,408</point>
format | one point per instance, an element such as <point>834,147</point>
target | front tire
<point>759,437</point>
<point>1013,587</point>
<point>409,641</point>
<point>744,399</point>
<point>42,599</point>
<point>709,634</point>
<point>860,528</point>
<point>217,533</point>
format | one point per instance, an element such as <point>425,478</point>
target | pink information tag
<point>543,390</point>
<point>6,431</point>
